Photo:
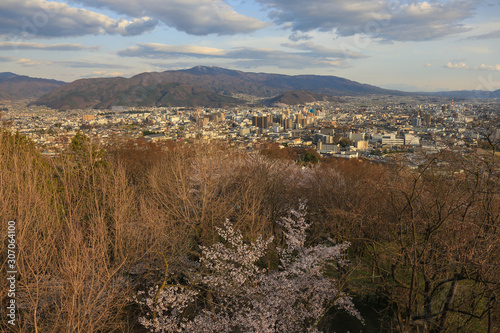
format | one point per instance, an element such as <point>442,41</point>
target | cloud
<point>296,37</point>
<point>49,47</point>
<point>89,64</point>
<point>72,64</point>
<point>134,27</point>
<point>309,55</point>
<point>5,59</point>
<point>384,19</point>
<point>490,35</point>
<point>464,66</point>
<point>428,64</point>
<point>31,63</point>
<point>195,17</point>
<point>457,65</point>
<point>484,67</point>
<point>251,57</point>
<point>321,51</point>
<point>95,74</point>
<point>40,18</point>
<point>156,50</point>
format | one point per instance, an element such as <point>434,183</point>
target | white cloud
<point>255,57</point>
<point>5,59</point>
<point>88,64</point>
<point>40,18</point>
<point>482,67</point>
<point>195,17</point>
<point>71,64</point>
<point>156,50</point>
<point>321,51</point>
<point>384,19</point>
<point>310,55</point>
<point>457,65</point>
<point>95,74</point>
<point>31,63</point>
<point>49,47</point>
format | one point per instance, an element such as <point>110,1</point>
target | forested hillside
<point>187,236</point>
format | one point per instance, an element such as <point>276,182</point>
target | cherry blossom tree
<point>229,291</point>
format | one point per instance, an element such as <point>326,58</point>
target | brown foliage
<point>92,228</point>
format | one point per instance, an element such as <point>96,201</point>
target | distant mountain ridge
<point>6,75</point>
<point>268,85</point>
<point>466,94</point>
<point>14,86</point>
<point>197,86</point>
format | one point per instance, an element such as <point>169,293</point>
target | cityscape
<point>250,166</point>
<point>369,127</point>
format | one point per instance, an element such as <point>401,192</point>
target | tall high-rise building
<point>262,121</point>
<point>417,122</point>
<point>427,119</point>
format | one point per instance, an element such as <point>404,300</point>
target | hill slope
<point>13,86</point>
<point>107,92</point>
<point>295,97</point>
<point>223,80</point>
<point>198,86</point>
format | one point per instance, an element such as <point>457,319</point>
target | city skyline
<point>404,45</point>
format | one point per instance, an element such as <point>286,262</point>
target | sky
<point>432,45</point>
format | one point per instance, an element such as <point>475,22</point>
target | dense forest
<point>175,237</point>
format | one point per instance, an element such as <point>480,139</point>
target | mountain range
<point>13,86</point>
<point>200,86</point>
<point>197,86</point>
<point>467,94</point>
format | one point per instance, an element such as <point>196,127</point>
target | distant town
<point>371,127</point>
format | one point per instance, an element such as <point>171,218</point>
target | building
<point>427,119</point>
<point>88,117</point>
<point>356,136</point>
<point>324,148</point>
<point>417,122</point>
<point>327,131</point>
<point>346,154</point>
<point>361,145</point>
<point>262,121</point>
<point>328,139</point>
<point>202,121</point>
<point>217,117</point>
<point>155,137</point>
<point>391,140</point>
<point>411,140</point>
